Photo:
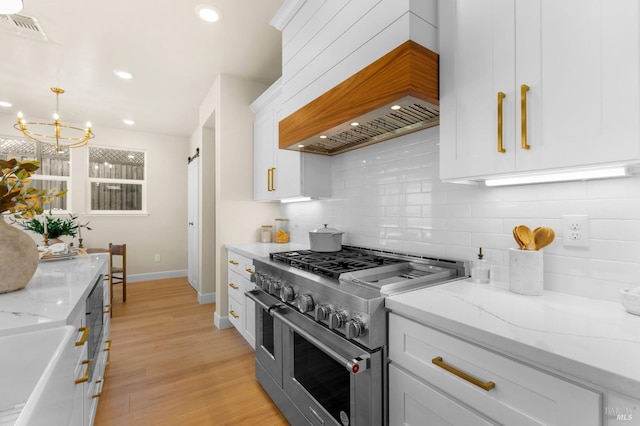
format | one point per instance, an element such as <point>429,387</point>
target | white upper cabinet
<point>280,174</point>
<point>550,83</point>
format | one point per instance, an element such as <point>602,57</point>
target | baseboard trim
<point>221,322</point>
<point>150,276</point>
<point>206,298</point>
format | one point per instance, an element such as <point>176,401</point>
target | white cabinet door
<point>477,61</point>
<point>278,173</point>
<point>263,154</point>
<point>579,60</point>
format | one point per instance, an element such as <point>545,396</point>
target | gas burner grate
<point>332,264</point>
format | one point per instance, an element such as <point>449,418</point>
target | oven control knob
<point>286,293</point>
<point>353,328</point>
<point>274,287</point>
<point>305,303</point>
<point>336,320</point>
<point>322,312</point>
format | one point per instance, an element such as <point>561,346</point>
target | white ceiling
<point>173,55</point>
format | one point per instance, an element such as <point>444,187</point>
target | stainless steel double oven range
<point>321,329</point>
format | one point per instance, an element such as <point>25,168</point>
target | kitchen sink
<point>37,372</point>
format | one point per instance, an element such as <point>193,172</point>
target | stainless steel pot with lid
<point>325,239</point>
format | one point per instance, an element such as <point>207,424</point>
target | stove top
<point>334,264</point>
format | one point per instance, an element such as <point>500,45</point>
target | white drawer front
<point>413,403</point>
<point>236,314</point>
<point>522,394</point>
<point>236,286</point>
<point>240,264</point>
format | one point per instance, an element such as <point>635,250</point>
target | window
<point>54,171</point>
<point>118,180</point>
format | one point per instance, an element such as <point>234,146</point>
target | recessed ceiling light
<point>300,146</point>
<point>396,107</point>
<point>208,13</point>
<point>323,137</point>
<point>9,7</point>
<point>5,104</point>
<point>128,122</point>
<point>123,74</point>
<point>355,123</point>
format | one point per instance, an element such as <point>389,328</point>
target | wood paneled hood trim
<point>406,76</point>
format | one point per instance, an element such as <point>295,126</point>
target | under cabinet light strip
<point>618,171</point>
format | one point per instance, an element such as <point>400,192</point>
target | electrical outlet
<point>157,258</point>
<point>575,229</point>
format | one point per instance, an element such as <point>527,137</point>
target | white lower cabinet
<point>241,308</point>
<point>455,382</point>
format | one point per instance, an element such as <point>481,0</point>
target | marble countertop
<point>51,296</point>
<point>262,250</point>
<point>596,341</point>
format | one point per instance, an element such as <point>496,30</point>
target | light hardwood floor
<point>171,366</point>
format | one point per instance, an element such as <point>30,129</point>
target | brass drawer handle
<point>99,394</point>
<point>484,385</point>
<point>108,347</point>
<point>233,286</point>
<point>249,270</point>
<point>523,111</point>
<point>501,97</point>
<point>85,336</point>
<point>233,262</point>
<point>233,314</point>
<point>84,378</point>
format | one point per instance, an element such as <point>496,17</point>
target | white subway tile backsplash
<point>389,196</point>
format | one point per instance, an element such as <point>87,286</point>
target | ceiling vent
<point>23,26</point>
<point>393,96</point>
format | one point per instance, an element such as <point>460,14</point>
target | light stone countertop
<point>52,295</point>
<point>596,341</point>
<point>262,250</point>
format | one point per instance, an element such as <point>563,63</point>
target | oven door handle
<point>263,300</point>
<point>354,366</point>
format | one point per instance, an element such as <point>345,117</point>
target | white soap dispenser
<point>480,271</point>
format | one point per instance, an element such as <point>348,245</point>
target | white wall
<point>389,196</point>
<point>163,230</point>
<point>228,212</point>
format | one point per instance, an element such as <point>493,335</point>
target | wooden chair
<point>118,274</point>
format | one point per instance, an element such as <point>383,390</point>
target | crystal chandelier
<point>74,137</point>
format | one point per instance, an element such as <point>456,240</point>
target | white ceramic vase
<point>18,258</point>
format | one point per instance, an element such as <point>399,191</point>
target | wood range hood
<point>405,78</point>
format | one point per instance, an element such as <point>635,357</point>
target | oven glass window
<point>267,331</point>
<point>325,379</point>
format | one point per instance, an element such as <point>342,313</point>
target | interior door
<point>193,223</point>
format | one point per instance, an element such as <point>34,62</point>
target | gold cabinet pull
<point>233,286</point>
<point>501,97</point>
<point>84,378</point>
<point>233,262</point>
<point>108,347</point>
<point>273,178</point>
<point>523,110</point>
<point>484,385</point>
<point>269,180</point>
<point>249,270</point>
<point>233,314</point>
<point>85,336</point>
<point>99,394</point>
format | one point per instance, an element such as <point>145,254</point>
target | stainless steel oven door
<point>268,335</point>
<point>331,380</point>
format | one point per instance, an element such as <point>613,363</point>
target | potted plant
<point>56,226</point>
<point>18,251</point>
